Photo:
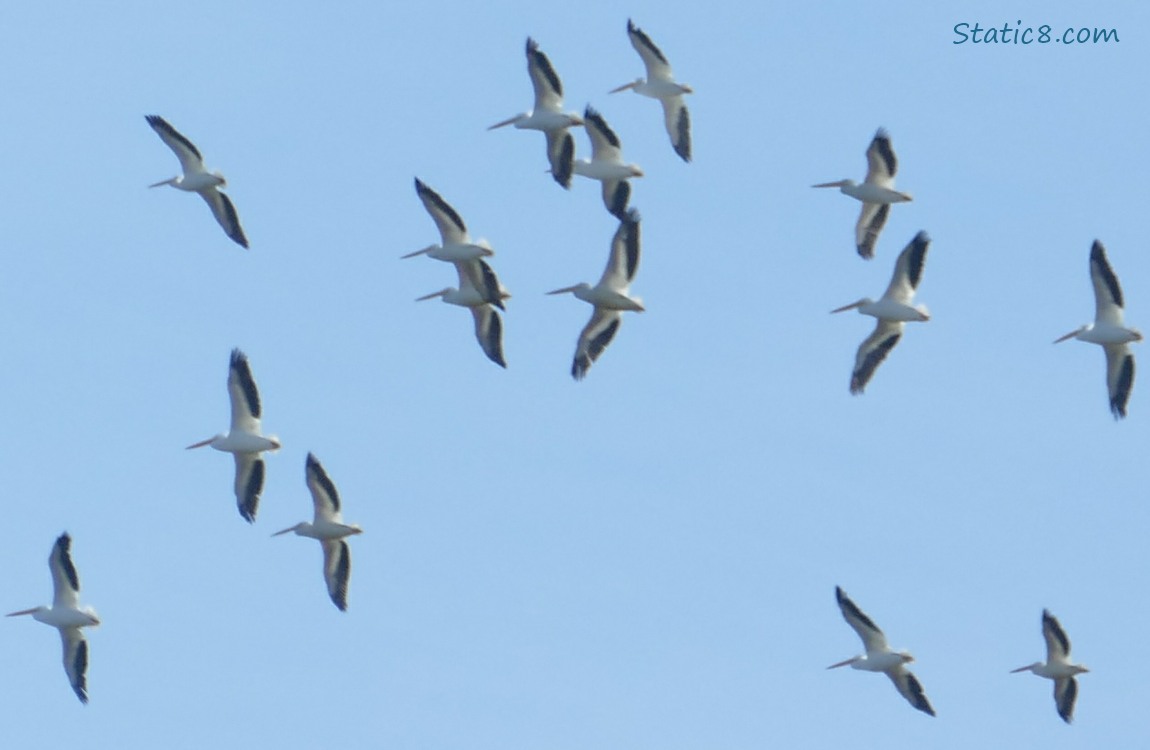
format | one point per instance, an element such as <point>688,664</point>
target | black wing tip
<point>532,45</point>
<point>156,121</point>
<point>866,250</point>
<point>1098,250</point>
<point>881,134</point>
<point>580,366</point>
<point>64,541</point>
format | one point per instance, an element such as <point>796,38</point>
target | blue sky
<point>643,559</point>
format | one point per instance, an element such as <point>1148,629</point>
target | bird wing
<point>65,581</point>
<point>908,270</point>
<point>678,123</point>
<point>1119,376</point>
<point>447,220</point>
<point>881,164</point>
<point>653,58</point>
<point>605,145</point>
<point>243,394</point>
<point>249,484</point>
<point>489,333</point>
<point>225,212</point>
<point>1057,644</point>
<point>336,570</point>
<point>593,339</point>
<point>616,196</point>
<point>76,661</point>
<point>910,688</point>
<point>1065,693</point>
<point>873,350</point>
<point>561,155</point>
<point>872,218</point>
<point>872,638</point>
<point>623,260</point>
<point>548,87</point>
<point>190,159</point>
<point>324,495</point>
<point>1108,301</point>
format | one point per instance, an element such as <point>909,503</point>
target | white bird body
<point>473,276</point>
<point>197,179</point>
<point>1057,666</point>
<point>893,309</point>
<point>610,296</point>
<point>456,245</point>
<point>67,616</point>
<point>1109,331</point>
<point>244,440</point>
<point>879,656</point>
<point>660,84</point>
<point>548,115</point>
<point>606,164</point>
<point>876,192</point>
<point>328,527</point>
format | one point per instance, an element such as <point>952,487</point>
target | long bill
<point>201,444</point>
<point>427,249</point>
<point>844,308</point>
<point>836,184</point>
<point>1070,335</point>
<point>844,663</point>
<point>624,87</point>
<point>169,181</point>
<point>433,295</point>
<point>506,122</point>
<point>23,612</point>
<point>565,289</point>
<point>290,528</point>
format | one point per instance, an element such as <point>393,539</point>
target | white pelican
<point>660,84</point>
<point>548,115</point>
<point>609,296</point>
<point>1057,666</point>
<point>328,527</point>
<point>452,231</point>
<point>876,193</point>
<point>892,310</point>
<point>879,657</point>
<point>606,164</point>
<point>197,179</point>
<point>67,616</point>
<point>488,325</point>
<point>1107,330</point>
<point>244,440</point>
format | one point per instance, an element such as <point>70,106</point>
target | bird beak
<point>200,444</point>
<point>844,308</point>
<point>21,612</point>
<point>290,528</point>
<point>1070,335</point>
<point>843,663</point>
<point>624,87</point>
<point>418,252</point>
<point>508,121</point>
<point>168,181</point>
<point>1020,669</point>
<point>440,293</point>
<point>564,289</point>
<point>838,184</point>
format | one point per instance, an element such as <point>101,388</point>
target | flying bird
<point>548,115</point>
<point>876,193</point>
<point>197,179</point>
<point>244,440</point>
<point>892,310</point>
<point>1108,332</point>
<point>660,84</point>
<point>1057,666</point>
<point>606,164</point>
<point>473,276</point>
<point>610,296</point>
<point>452,231</point>
<point>328,527</point>
<point>879,657</point>
<point>67,616</point>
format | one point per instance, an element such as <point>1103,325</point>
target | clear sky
<point>646,558</point>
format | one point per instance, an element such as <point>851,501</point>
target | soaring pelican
<point>876,193</point>
<point>660,84</point>
<point>67,616</point>
<point>879,657</point>
<point>609,296</point>
<point>328,527</point>
<point>548,114</point>
<point>606,164</point>
<point>197,179</point>
<point>452,231</point>
<point>1057,666</point>
<point>1107,330</point>
<point>473,275</point>
<point>892,310</point>
<point>244,440</point>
